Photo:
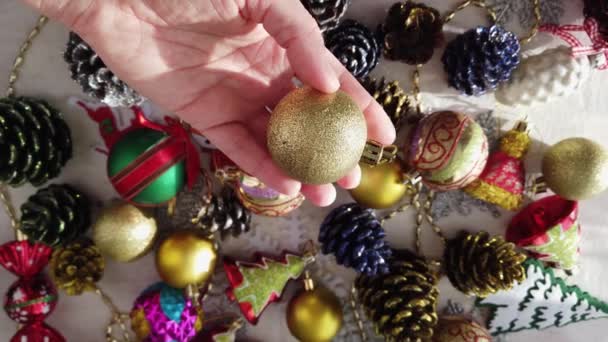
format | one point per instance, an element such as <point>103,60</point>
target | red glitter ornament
<point>33,296</point>
<point>37,332</point>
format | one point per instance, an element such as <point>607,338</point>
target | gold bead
<point>316,138</point>
<point>576,168</point>
<point>314,316</point>
<point>123,232</point>
<point>381,186</point>
<point>186,258</point>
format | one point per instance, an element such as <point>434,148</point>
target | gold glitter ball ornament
<point>77,267</point>
<point>478,264</point>
<point>123,232</point>
<point>316,138</point>
<point>460,329</point>
<point>314,315</point>
<point>186,258</point>
<point>381,186</point>
<point>576,168</point>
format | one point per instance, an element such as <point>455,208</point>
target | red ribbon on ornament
<point>178,146</point>
<point>591,28</point>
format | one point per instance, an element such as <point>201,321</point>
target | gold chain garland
<point>118,319</point>
<point>25,47</point>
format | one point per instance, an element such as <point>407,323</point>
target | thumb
<point>294,29</point>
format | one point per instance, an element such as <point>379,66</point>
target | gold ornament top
<point>516,142</point>
<point>576,168</point>
<point>77,267</point>
<point>316,138</point>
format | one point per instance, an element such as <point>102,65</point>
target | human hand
<point>217,64</point>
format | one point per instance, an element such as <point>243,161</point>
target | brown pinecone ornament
<point>478,264</point>
<point>188,204</point>
<point>411,32</point>
<point>598,9</point>
<point>391,96</point>
<point>77,267</point>
<point>402,303</point>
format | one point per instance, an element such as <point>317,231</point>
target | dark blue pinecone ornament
<point>356,238</point>
<point>355,46</point>
<point>478,60</point>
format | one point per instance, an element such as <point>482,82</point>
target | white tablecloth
<point>83,318</point>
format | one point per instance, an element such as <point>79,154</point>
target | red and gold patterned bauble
<point>460,329</point>
<point>449,150</point>
<point>262,200</point>
<point>30,300</point>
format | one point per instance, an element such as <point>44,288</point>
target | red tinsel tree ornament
<point>33,296</point>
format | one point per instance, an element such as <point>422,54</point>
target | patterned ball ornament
<point>30,300</point>
<point>134,152</point>
<point>262,200</point>
<point>449,150</point>
<point>163,313</point>
<point>460,329</point>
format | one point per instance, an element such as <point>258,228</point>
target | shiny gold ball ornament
<point>314,315</point>
<point>316,138</point>
<point>460,329</point>
<point>186,258</point>
<point>576,168</point>
<point>381,186</point>
<point>449,150</point>
<point>123,232</point>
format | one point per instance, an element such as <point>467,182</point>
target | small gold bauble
<point>460,329</point>
<point>576,168</point>
<point>314,315</point>
<point>186,258</point>
<point>316,138</point>
<point>123,232</point>
<point>381,186</point>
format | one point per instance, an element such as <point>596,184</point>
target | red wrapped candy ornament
<point>549,230</point>
<point>33,296</point>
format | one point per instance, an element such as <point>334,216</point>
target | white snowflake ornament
<point>545,77</point>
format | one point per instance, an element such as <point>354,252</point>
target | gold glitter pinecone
<point>403,303</point>
<point>77,267</point>
<point>391,96</point>
<point>480,265</point>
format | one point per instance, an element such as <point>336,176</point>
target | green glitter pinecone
<point>35,141</point>
<point>56,215</point>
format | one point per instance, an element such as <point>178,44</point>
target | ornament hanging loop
<point>478,3</point>
<point>377,154</point>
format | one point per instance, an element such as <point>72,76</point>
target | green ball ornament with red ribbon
<point>151,164</point>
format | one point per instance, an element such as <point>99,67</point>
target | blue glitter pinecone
<point>356,238</point>
<point>478,60</point>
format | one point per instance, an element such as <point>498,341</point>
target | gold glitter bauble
<point>314,315</point>
<point>460,329</point>
<point>316,138</point>
<point>381,186</point>
<point>186,258</point>
<point>576,168</point>
<point>123,232</point>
